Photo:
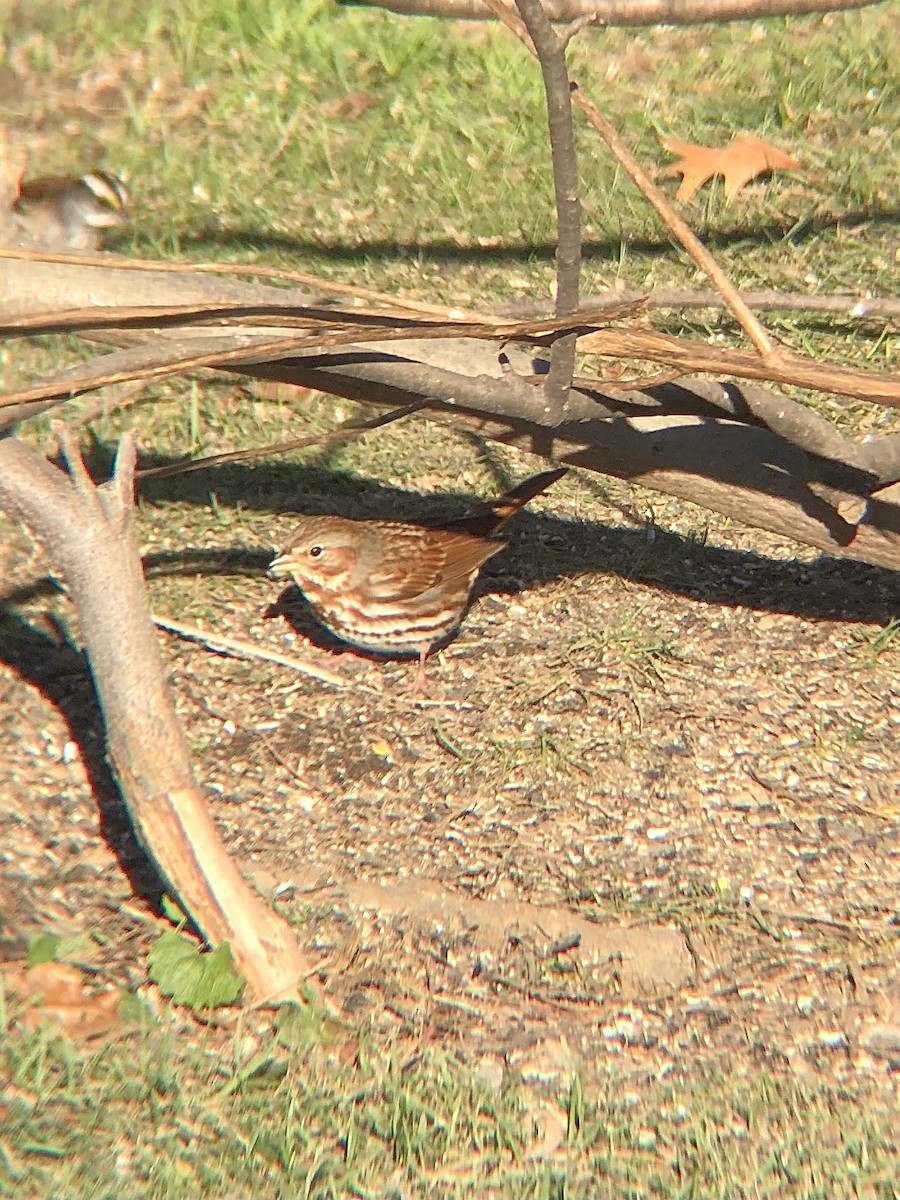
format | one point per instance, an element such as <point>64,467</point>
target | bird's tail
<point>489,516</point>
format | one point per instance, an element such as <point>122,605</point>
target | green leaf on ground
<point>198,978</point>
<point>42,949</point>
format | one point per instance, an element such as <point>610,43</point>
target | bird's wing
<point>414,563</point>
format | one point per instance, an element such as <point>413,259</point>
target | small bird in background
<point>67,213</point>
<point>395,588</point>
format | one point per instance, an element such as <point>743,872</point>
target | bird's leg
<point>419,685</point>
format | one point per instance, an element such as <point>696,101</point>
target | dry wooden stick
<point>246,270</point>
<point>860,307</point>
<point>750,323</point>
<point>345,433</point>
<point>879,387</point>
<point>244,649</point>
<point>853,306</point>
<point>252,347</point>
<point>551,54</point>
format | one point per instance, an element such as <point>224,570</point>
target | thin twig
<point>326,439</point>
<point>241,649</point>
<point>860,307</point>
<point>751,325</point>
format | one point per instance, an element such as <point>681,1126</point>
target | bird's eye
<point>315,551</point>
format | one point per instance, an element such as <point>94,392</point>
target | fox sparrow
<point>396,588</point>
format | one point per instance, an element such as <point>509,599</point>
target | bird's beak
<point>277,568</point>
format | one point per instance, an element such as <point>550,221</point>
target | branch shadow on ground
<point>61,674</point>
<point>794,232</point>
<point>542,547</point>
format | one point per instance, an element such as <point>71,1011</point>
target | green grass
<point>232,122</point>
<point>238,143</point>
<point>234,127</point>
<point>211,1114</point>
<point>879,645</point>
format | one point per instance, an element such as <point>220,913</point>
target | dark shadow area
<point>541,547</point>
<point>61,674</point>
<point>773,232</point>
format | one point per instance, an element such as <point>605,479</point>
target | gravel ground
<point>647,813</point>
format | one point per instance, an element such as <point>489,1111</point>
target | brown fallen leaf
<point>12,171</point>
<point>743,159</point>
<point>352,105</point>
<point>57,994</point>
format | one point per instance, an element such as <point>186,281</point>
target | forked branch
<point>87,532</point>
<point>551,54</point>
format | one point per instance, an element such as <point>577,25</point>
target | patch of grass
<point>410,155</point>
<point>699,904</point>
<point>536,756</point>
<point>413,151</point>
<point>880,646</point>
<point>161,1114</point>
<point>643,653</point>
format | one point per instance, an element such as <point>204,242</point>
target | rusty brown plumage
<point>397,588</point>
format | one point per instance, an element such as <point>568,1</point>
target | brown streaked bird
<point>395,588</point>
<point>70,213</point>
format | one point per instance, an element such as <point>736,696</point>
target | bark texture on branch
<point>551,53</point>
<point>629,12</point>
<point>742,471</point>
<point>811,484</point>
<point>87,532</point>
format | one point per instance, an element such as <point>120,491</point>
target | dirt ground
<point>646,816</point>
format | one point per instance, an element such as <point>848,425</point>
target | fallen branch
<point>837,499</point>
<point>240,648</point>
<point>88,534</point>
<point>158,355</point>
<point>629,12</point>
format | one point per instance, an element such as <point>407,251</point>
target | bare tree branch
<point>551,54</point>
<point>631,12</point>
<point>88,534</point>
<point>462,380</point>
<point>743,471</point>
<point>161,354</point>
<point>327,287</point>
<point>861,305</point>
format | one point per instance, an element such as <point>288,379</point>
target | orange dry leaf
<point>12,168</point>
<point>352,105</point>
<point>742,160</point>
<point>57,994</point>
